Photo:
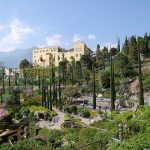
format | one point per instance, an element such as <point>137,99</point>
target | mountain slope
<point>12,59</point>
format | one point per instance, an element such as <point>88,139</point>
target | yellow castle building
<point>45,57</point>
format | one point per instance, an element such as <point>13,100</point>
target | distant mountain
<point>13,58</point>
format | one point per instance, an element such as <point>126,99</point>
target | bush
<point>74,109</point>
<point>32,101</point>
<point>67,109</point>
<point>86,113</point>
<point>83,112</point>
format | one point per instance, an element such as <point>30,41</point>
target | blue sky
<point>29,23</point>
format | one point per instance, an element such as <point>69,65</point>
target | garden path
<point>58,120</point>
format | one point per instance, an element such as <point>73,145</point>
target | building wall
<point>56,54</point>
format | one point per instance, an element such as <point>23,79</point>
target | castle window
<point>76,55</point>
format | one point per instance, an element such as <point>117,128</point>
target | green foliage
<point>72,118</point>
<point>105,79</point>
<point>24,145</point>
<point>38,108</point>
<point>83,112</point>
<point>24,64</point>
<point>146,83</point>
<point>32,101</point>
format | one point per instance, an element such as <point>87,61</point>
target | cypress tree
<point>94,88</point>
<point>56,95</point>
<point>25,78</point>
<point>32,81</point>
<point>42,92</point>
<point>125,47</point>
<point>141,95</point>
<point>1,95</point>
<point>59,87</point>
<point>53,85</point>
<point>39,80</point>
<point>112,84</point>
<point>118,46</point>
<point>16,79</point>
<point>3,81</point>
<point>9,84</point>
<point>50,95</point>
<point>44,95</point>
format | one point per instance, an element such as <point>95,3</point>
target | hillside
<point>12,59</point>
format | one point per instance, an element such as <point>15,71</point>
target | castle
<point>45,57</point>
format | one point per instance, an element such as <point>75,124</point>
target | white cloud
<point>78,37</point>
<point>109,45</point>
<point>2,27</point>
<point>91,37</point>
<point>18,32</point>
<point>53,40</point>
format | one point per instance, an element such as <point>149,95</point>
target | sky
<point>41,23</point>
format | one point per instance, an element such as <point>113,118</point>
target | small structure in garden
<point>80,101</point>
